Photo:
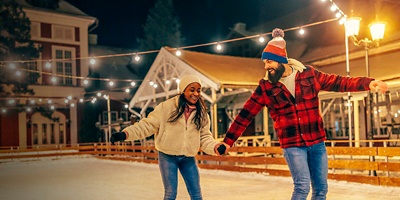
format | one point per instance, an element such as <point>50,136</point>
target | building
<point>51,115</point>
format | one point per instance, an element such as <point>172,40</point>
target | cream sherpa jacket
<point>173,138</point>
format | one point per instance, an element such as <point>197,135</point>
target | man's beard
<point>274,78</point>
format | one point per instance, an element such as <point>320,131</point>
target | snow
<point>90,178</point>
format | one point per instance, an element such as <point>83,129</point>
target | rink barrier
<point>369,165</point>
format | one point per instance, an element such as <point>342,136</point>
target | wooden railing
<point>370,165</point>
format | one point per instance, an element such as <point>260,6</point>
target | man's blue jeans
<point>308,165</point>
<point>169,166</point>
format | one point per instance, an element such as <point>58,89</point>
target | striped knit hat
<point>276,48</point>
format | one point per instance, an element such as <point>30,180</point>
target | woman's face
<point>192,93</point>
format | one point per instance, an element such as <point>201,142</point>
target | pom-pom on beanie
<point>187,80</point>
<point>276,48</point>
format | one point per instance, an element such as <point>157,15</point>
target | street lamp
<point>377,29</point>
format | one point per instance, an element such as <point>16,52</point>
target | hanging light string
<point>74,77</point>
<point>339,15</point>
<point>2,63</point>
<point>41,101</point>
<point>334,7</point>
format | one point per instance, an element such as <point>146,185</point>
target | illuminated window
<point>64,65</point>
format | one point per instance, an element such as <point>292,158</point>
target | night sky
<point>121,21</point>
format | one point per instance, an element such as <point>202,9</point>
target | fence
<point>370,165</point>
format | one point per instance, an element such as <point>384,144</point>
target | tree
<point>15,45</point>
<point>162,28</point>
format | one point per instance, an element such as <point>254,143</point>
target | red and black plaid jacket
<point>297,121</point>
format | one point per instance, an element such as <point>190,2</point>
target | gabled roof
<point>63,7</point>
<point>232,75</point>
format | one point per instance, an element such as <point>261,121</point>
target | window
<point>63,33</point>
<point>124,116</point>
<point>105,117</point>
<point>114,115</point>
<point>64,65</point>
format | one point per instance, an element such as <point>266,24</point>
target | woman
<point>181,127</point>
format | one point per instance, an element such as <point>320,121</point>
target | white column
<point>73,124</point>
<point>214,114</point>
<point>356,123</point>
<point>22,129</point>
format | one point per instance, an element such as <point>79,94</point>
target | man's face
<point>275,70</point>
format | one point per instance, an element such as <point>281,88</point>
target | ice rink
<point>90,178</point>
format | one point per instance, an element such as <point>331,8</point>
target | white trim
<point>59,33</point>
<point>35,30</point>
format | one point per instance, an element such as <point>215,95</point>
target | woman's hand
<point>376,85</point>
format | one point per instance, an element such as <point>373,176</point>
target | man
<point>290,91</point>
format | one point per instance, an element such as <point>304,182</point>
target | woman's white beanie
<point>186,80</point>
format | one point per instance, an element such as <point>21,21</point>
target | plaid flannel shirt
<point>297,121</point>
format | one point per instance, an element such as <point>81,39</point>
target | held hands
<point>221,148</point>
<point>376,85</point>
<point>117,136</point>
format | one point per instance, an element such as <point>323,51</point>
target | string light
<point>301,31</point>
<point>92,60</point>
<point>12,66</point>
<point>178,52</point>
<point>218,47</point>
<point>53,79</point>
<point>137,57</point>
<point>261,39</point>
<point>48,65</point>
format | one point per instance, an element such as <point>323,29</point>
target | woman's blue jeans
<point>169,166</point>
<point>308,165</point>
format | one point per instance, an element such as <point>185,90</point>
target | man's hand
<point>221,148</point>
<point>376,85</point>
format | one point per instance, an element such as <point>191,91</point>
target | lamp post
<point>109,120</point>
<point>377,29</point>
